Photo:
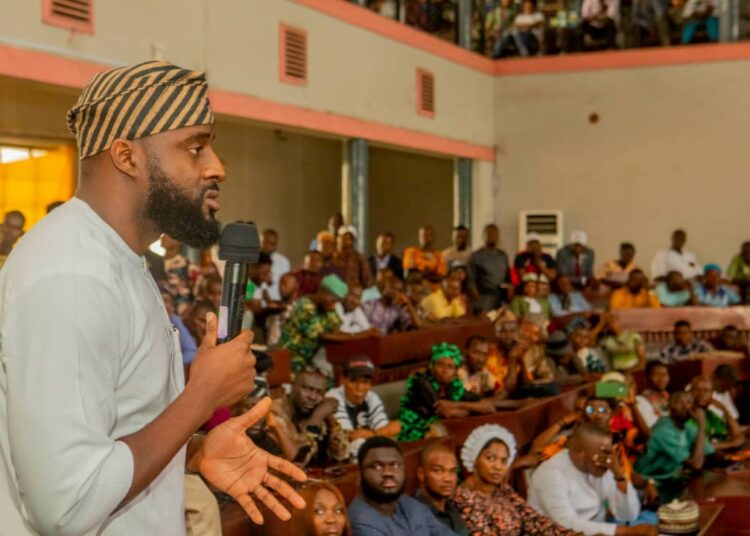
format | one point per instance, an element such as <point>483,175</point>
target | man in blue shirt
<point>382,509</point>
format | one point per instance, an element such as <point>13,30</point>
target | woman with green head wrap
<point>437,392</point>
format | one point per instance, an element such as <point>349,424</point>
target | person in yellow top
<point>635,294</point>
<point>445,302</point>
<point>425,258</point>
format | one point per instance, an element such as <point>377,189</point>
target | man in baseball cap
<point>360,410</point>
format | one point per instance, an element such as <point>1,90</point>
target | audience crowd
<point>603,468</point>
<point>502,28</point>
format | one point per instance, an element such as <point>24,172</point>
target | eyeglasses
<point>601,410</point>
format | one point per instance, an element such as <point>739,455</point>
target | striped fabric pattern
<point>137,101</point>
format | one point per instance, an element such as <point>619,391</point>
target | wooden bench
<point>400,354</point>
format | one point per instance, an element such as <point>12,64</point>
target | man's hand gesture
<point>233,463</point>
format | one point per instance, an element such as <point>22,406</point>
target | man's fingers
<point>285,490</point>
<point>248,505</point>
<point>212,330</point>
<point>254,414</point>
<point>287,468</point>
<point>272,503</point>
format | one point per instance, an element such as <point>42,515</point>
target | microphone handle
<point>232,301</point>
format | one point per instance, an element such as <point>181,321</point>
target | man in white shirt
<point>361,411</point>
<point>353,318</point>
<point>676,259</point>
<point>94,412</point>
<point>280,265</point>
<point>575,487</point>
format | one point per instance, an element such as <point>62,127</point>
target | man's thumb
<point>212,329</point>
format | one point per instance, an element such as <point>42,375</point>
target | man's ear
<point>126,157</point>
<point>420,475</point>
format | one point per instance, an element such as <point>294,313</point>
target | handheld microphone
<point>239,246</point>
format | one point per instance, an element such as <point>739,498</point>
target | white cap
<point>347,229</point>
<point>579,237</point>
<point>533,236</point>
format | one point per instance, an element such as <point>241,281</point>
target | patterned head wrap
<point>479,438</point>
<point>446,350</point>
<point>137,101</point>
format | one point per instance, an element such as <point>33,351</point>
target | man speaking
<point>94,411</point>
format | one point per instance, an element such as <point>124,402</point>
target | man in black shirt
<point>438,479</point>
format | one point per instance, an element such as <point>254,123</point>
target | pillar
<point>354,193</point>
<point>462,192</point>
<point>729,21</point>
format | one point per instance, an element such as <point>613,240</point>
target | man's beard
<point>381,497</point>
<point>178,214</point>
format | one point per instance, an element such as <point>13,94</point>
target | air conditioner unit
<point>548,224</point>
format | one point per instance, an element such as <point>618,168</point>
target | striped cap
<point>137,101</point>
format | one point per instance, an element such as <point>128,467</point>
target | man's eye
<point>196,150</point>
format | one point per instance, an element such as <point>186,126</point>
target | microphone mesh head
<point>239,242</point>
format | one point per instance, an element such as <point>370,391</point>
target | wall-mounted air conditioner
<point>547,224</point>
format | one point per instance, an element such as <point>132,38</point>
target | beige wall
<point>287,181</point>
<point>668,151</point>
<point>352,71</point>
<point>34,111</point>
<point>408,191</point>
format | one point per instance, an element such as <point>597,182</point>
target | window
<point>425,93</point>
<point>33,177</point>
<point>292,55</point>
<point>74,15</point>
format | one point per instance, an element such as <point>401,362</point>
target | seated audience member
<point>489,270</point>
<point>587,409</point>
<point>437,393</point>
<point>578,485</point>
<point>568,369</point>
<point>445,302</point>
<point>309,433</point>
<point>567,301</point>
<point>697,13</point>
<point>675,291</point>
<point>615,273</point>
<point>459,249</point>
<point>393,312</point>
<point>257,297</point>
<point>527,29</point>
<point>195,319</point>
<point>353,318</point>
<point>416,289</point>
<point>684,345</point>
<point>475,375</point>
<point>209,289</point>
<point>457,270</point>
<point>725,384</point>
<point>528,305</point>
<point>309,276</point>
<point>327,249</point>
<point>498,23</point>
<point>534,260</point>
<point>280,265</point>
<point>653,402</point>
<point>384,257</point>
<point>360,411</point>
<point>677,443</point>
<point>738,271</point>
<point>188,347</point>
<point>487,503</point>
<point>675,259</point>
<point>324,513</point>
<point>635,294</point>
<point>711,293</point>
<point>181,273</point>
<point>600,20</point>
<point>722,430</point>
<point>649,17</point>
<point>438,478</point>
<point>353,264</point>
<point>536,377</point>
<point>382,508</point>
<point>587,351</point>
<point>311,317</point>
<point>503,361</point>
<point>288,290</point>
<point>425,258</point>
<point>576,260</point>
<point>625,348</point>
<point>11,230</point>
<point>730,340</point>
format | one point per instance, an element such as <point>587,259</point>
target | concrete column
<point>354,191</point>
<point>464,23</point>
<point>462,199</point>
<point>729,21</point>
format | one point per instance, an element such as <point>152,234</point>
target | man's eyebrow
<point>200,137</point>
